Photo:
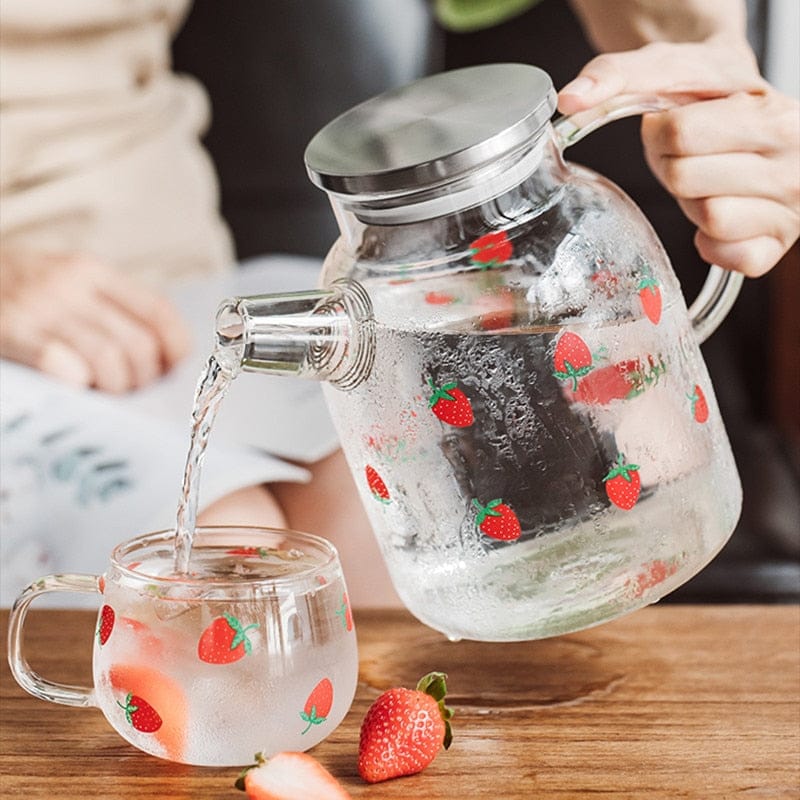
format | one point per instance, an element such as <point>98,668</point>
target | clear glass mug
<point>508,358</point>
<point>253,650</point>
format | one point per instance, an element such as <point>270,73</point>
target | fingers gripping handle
<point>721,287</point>
<point>27,678</point>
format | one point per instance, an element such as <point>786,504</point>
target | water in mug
<point>537,449</point>
<point>285,687</point>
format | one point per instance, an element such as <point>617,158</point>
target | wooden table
<point>669,702</point>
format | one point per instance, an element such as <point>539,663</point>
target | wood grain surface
<point>669,702</point>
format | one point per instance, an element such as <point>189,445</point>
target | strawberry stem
<point>440,393</point>
<point>621,469</point>
<point>435,685</point>
<point>488,510</point>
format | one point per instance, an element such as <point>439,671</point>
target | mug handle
<point>721,286</point>
<point>28,679</point>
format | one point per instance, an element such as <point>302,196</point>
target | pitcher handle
<point>28,679</point>
<point>721,286</point>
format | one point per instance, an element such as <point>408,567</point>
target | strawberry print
<point>140,714</point>
<point>248,552</point>
<point>650,297</point>
<point>699,404</point>
<point>451,405</point>
<point>440,299</point>
<point>623,484</point>
<point>572,359</point>
<point>318,705</point>
<point>345,613</point>
<point>376,485</point>
<point>224,641</point>
<point>491,250</point>
<point>497,521</point>
<point>621,381</point>
<point>106,624</point>
<point>655,572</point>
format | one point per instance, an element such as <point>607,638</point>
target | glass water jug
<point>508,360</point>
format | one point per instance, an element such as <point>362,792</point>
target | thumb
<point>685,71</point>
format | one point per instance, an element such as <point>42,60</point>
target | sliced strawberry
<point>290,776</point>
<point>440,298</point>
<point>652,574</point>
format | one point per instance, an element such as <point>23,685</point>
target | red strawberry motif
<point>140,714</point>
<point>497,520</point>
<point>699,404</point>
<point>290,776</point>
<point>650,297</point>
<point>623,484</point>
<point>621,381</point>
<point>572,359</point>
<point>451,405</point>
<point>318,705</point>
<point>404,729</point>
<point>376,485</point>
<point>106,624</point>
<point>345,613</point>
<point>225,641</point>
<point>248,552</point>
<point>440,299</point>
<point>655,572</point>
<point>491,250</point>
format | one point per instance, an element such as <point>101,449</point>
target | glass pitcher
<point>509,361</point>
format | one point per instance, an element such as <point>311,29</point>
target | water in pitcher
<point>488,475</point>
<point>162,668</point>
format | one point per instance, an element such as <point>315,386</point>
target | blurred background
<point>277,72</point>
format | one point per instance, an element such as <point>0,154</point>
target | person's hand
<point>729,152</point>
<point>78,320</point>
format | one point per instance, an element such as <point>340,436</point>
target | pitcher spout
<point>325,334</point>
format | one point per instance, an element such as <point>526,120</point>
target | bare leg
<point>253,505</point>
<point>329,506</point>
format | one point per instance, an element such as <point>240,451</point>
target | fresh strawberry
<point>623,484</point>
<point>699,404</point>
<point>650,297</point>
<point>497,520</point>
<point>491,250</point>
<point>140,714</point>
<point>376,485</point>
<point>572,359</point>
<point>318,705</point>
<point>290,776</point>
<point>451,405</point>
<point>404,729</point>
<point>106,624</point>
<point>440,299</point>
<point>225,640</point>
<point>345,613</point>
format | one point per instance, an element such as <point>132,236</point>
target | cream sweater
<point>99,140</point>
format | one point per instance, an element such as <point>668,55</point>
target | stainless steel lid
<point>431,131</point>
